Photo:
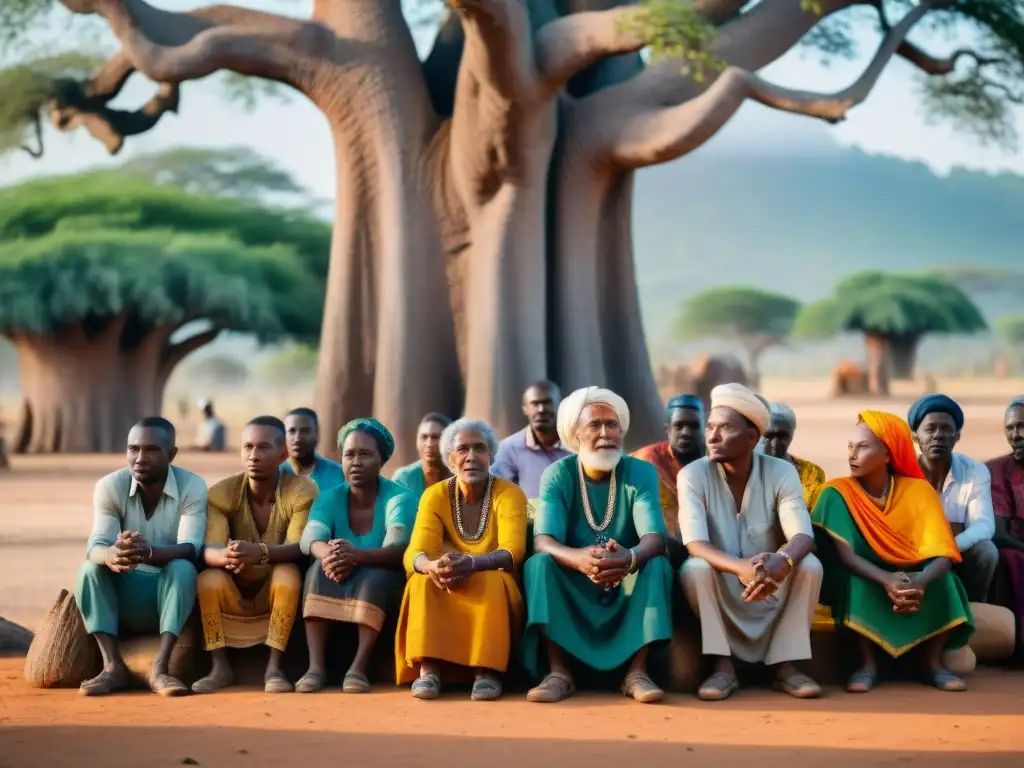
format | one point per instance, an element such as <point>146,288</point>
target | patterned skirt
<point>369,596</point>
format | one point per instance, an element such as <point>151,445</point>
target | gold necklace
<point>880,501</point>
<point>485,509</point>
<point>588,511</point>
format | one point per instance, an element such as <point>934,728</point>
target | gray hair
<point>783,414</point>
<point>451,432</point>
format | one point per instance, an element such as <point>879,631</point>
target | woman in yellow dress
<point>462,603</point>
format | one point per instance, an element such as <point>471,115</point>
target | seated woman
<point>357,533</point>
<point>462,602</point>
<point>887,552</point>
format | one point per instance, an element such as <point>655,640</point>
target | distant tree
<point>754,319</point>
<point>228,172</point>
<point>1010,332</point>
<point>99,276</point>
<point>894,312</point>
<point>288,365</point>
<point>219,371</point>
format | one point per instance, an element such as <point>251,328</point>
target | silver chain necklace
<point>588,511</point>
<point>485,509</point>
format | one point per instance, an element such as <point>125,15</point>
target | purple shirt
<point>523,460</point>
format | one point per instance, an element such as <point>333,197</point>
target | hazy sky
<point>297,137</point>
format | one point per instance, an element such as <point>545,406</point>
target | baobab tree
<point>482,223</point>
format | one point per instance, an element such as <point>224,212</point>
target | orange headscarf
<point>913,526</point>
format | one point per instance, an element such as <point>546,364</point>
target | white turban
<point>571,409</point>
<point>745,402</point>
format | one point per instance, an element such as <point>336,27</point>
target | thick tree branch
<point>497,52</point>
<point>174,47</point>
<point>660,135</point>
<point>175,353</point>
<point>112,126</point>
<point>573,43</point>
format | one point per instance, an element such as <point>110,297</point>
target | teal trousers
<point>137,601</point>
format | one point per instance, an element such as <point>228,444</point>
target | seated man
<point>210,432</point>
<point>599,523</point>
<point>148,522</point>
<point>685,444</point>
<point>249,593</point>
<point>1008,505</point>
<point>965,487</point>
<point>302,434</point>
<point>776,442</point>
<point>750,576</point>
<point>430,468</point>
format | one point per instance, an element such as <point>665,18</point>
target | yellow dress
<point>473,624</point>
<point>259,604</point>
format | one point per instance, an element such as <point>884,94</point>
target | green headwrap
<point>376,430</point>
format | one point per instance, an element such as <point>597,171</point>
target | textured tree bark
<point>879,363</point>
<point>903,355</point>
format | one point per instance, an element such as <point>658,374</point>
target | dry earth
<point>45,507</point>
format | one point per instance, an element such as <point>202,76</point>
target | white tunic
<point>772,513</point>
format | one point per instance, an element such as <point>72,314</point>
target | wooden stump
<point>15,640</point>
<point>61,654</point>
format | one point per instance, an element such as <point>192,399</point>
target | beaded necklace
<point>485,509</point>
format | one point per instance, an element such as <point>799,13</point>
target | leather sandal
<point>427,686</point>
<point>639,687</point>
<point>719,687</point>
<point>554,688</point>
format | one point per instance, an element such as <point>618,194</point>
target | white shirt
<point>967,499</point>
<point>179,517</point>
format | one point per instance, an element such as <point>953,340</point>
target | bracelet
<point>149,556</point>
<point>785,554</point>
<point>416,563</point>
<point>632,561</point>
<point>265,554</point>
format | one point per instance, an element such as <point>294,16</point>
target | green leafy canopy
<point>82,249</point>
<point>736,312</point>
<point>891,304</point>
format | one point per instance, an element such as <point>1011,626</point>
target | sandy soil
<point>45,505</point>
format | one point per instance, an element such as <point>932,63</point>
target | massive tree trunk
<point>879,364</point>
<point>82,392</point>
<point>903,355</point>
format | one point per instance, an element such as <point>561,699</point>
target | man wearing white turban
<point>599,525</point>
<point>750,576</point>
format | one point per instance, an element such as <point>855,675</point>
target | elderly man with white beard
<point>599,588</point>
<point>750,575</point>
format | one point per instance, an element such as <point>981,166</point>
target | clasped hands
<point>762,576</point>
<point>340,560</point>
<point>128,550</point>
<point>607,565</point>
<point>906,592</point>
<point>240,555</point>
<point>450,569</point>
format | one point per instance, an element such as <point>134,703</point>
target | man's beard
<point>602,459</point>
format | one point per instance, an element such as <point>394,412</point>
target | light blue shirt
<point>326,474</point>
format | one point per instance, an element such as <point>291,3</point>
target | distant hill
<point>797,221</point>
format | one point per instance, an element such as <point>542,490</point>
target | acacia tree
<point>106,284</point>
<point>756,320</point>
<point>482,224</point>
<point>893,312</point>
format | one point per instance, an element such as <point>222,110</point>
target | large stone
<point>15,640</point>
<point>61,654</point>
<point>960,662</point>
<point>995,633</point>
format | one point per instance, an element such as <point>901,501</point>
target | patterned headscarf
<point>376,430</point>
<point>895,435</point>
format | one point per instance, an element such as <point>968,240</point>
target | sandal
<point>799,686</point>
<point>719,687</point>
<point>427,686</point>
<point>639,687</point>
<point>277,683</point>
<point>485,688</point>
<point>355,682</point>
<point>862,681</point>
<point>105,682</point>
<point>311,682</point>
<point>210,684</point>
<point>945,680</point>
<point>554,688</point>
<point>165,685</point>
